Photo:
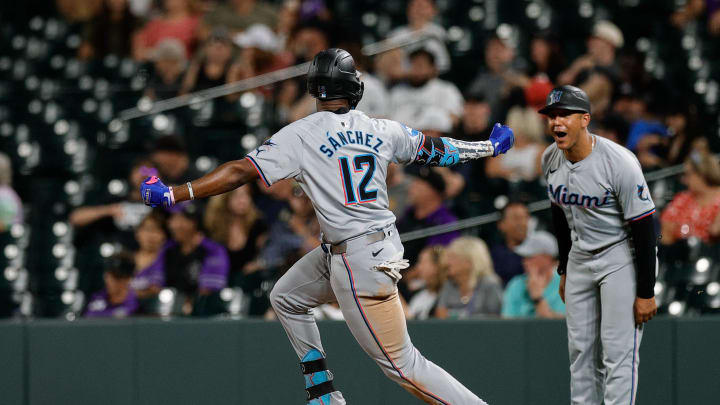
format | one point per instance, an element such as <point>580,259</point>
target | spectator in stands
<point>273,201</point>
<point>496,82</point>
<point>475,125</point>
<point>424,93</point>
<point>535,293</point>
<point>513,226</point>
<point>473,288</point>
<point>170,156</point>
<point>214,65</point>
<point>258,45</point>
<point>427,199</point>
<point>522,163</point>
<point>296,233</point>
<point>392,65</point>
<point>194,264</point>
<point>126,214</point>
<point>237,16</point>
<point>694,8</point>
<point>375,97</point>
<point>169,62</point>
<point>77,10</point>
<point>613,127</point>
<point>648,136</point>
<point>597,71</point>
<point>681,122</point>
<point>178,20</point>
<point>695,212</point>
<point>151,237</point>
<point>432,275</point>
<point>233,220</point>
<point>117,299</point>
<point>546,57</point>
<point>11,210</point>
<point>110,32</point>
<point>398,185</point>
<point>292,100</point>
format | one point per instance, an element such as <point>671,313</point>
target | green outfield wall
<point>147,361</point>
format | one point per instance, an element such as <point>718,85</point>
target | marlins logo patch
<point>555,96</point>
<point>322,91</point>
<point>266,143</point>
<point>640,191</point>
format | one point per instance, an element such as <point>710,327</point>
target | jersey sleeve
<point>279,157</point>
<point>631,189</point>
<point>406,143</point>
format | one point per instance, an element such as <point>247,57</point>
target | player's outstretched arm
<point>226,177</point>
<point>448,151</point>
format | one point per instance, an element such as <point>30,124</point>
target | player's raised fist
<point>154,193</point>
<point>502,139</point>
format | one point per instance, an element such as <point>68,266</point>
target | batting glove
<point>502,139</point>
<point>155,193</point>
<point>394,266</point>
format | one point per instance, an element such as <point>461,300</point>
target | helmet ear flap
<point>357,99</point>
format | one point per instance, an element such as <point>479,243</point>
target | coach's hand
<point>154,193</point>
<point>502,139</point>
<point>561,289</point>
<point>645,309</point>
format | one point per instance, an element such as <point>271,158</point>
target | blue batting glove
<point>502,139</point>
<point>155,193</point>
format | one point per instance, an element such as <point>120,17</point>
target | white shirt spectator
<point>434,41</point>
<point>374,102</point>
<point>409,104</point>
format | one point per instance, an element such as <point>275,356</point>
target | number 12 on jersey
<point>361,163</point>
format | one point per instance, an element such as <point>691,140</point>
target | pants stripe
<point>377,340</point>
<point>633,370</point>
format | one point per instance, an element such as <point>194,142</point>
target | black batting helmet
<point>332,75</point>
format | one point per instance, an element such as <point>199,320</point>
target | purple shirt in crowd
<point>206,267</point>
<point>152,275</point>
<point>408,223</point>
<point>100,307</point>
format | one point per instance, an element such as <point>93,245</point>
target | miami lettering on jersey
<point>340,139</point>
<point>561,195</point>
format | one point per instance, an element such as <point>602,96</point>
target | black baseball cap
<point>566,98</point>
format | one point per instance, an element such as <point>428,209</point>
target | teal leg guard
<point>318,379</point>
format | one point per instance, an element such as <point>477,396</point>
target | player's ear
<point>585,120</point>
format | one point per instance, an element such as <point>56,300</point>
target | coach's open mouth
<point>560,134</point>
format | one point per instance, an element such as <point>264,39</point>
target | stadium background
<point>61,126</point>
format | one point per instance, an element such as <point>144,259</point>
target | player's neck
<point>582,148</point>
<point>338,106</point>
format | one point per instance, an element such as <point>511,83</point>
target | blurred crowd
<point>244,240</point>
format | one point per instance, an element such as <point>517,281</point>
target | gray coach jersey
<point>340,161</point>
<point>598,194</point>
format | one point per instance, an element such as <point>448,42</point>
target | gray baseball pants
<point>370,304</point>
<point>603,340</point>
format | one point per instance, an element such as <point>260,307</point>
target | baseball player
<point>603,217</point>
<point>339,157</point>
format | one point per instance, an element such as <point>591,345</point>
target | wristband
<point>190,190</point>
<point>172,196</point>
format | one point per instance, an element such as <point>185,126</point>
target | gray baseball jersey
<point>599,195</point>
<point>340,161</point>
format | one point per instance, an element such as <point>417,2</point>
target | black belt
<point>341,247</point>
<point>604,248</point>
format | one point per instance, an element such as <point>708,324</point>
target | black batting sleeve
<point>644,239</point>
<point>562,233</point>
